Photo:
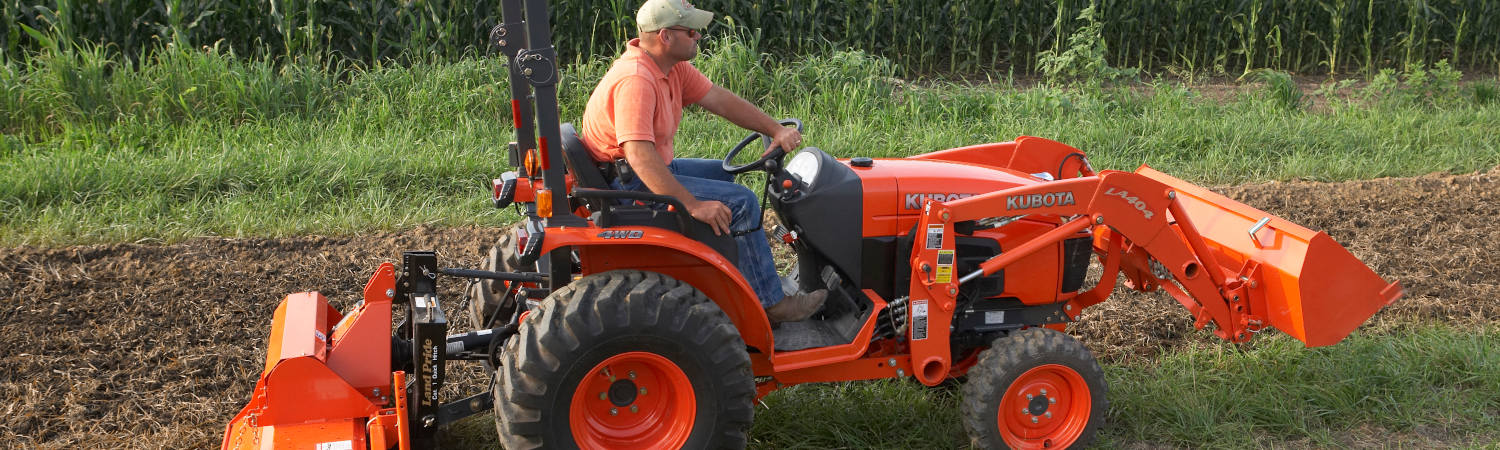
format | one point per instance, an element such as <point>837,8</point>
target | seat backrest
<point>580,160</point>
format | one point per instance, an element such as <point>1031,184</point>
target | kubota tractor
<point>612,319</point>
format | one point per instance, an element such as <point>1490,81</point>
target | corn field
<point>960,36</point>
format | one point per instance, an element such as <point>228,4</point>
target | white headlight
<point>805,166</point>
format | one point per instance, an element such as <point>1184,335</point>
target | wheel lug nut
<point>1034,419</point>
<point>1025,410</point>
<point>602,396</point>
<point>613,411</point>
<point>643,391</point>
<point>1049,413</point>
<point>1044,392</point>
<point>634,409</point>
<point>632,374</point>
<point>1051,400</point>
<point>1028,396</point>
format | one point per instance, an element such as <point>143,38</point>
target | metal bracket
<point>537,66</point>
<point>429,338</point>
<point>418,275</point>
<point>502,36</point>
<point>455,411</point>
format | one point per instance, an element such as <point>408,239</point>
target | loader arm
<point>1240,283</point>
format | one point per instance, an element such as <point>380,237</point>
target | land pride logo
<point>1043,200</point>
<point>915,201</point>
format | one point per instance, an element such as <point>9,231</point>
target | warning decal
<point>918,320</point>
<point>944,266</point>
<point>935,236</point>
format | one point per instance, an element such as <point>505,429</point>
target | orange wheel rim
<point>633,400</point>
<point>1046,407</point>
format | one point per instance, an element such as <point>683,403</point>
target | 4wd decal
<point>621,234</point>
<point>915,201</point>
<point>1132,200</point>
<point>1042,200</point>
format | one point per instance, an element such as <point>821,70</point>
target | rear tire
<point>487,296</point>
<point>625,359</point>
<point>1035,388</point>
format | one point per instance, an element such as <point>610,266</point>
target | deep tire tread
<point>1010,356</point>
<point>589,313</point>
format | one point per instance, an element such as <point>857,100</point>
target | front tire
<point>625,359</point>
<point>1035,388</point>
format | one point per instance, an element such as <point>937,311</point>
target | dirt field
<point>158,346</point>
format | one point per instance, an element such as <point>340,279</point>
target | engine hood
<point>897,189</point>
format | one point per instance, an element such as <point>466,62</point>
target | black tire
<point>1027,363</point>
<point>488,296</point>
<point>623,314</point>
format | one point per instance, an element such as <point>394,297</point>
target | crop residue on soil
<point>158,346</point>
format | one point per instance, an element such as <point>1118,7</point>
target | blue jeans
<point>707,180</point>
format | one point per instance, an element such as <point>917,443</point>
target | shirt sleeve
<point>695,85</point>
<point>634,108</point>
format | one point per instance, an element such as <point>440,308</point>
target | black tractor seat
<point>616,208</point>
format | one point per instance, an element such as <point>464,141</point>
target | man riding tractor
<point>630,124</point>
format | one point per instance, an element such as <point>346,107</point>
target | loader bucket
<point>1307,285</point>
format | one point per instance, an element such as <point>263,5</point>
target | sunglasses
<point>695,34</point>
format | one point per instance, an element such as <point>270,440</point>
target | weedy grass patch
<point>197,142</point>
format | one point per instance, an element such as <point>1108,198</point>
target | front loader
<point>612,319</point>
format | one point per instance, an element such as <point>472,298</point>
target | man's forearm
<point>652,171</point>
<point>649,167</point>
<point>740,111</point>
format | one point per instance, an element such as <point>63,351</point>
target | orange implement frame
<point>1308,285</point>
<point>325,378</point>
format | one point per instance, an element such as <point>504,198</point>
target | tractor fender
<point>672,254</point>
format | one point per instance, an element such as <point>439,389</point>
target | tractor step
<point>837,324</point>
<point>814,333</point>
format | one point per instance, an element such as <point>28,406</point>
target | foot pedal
<point>838,303</point>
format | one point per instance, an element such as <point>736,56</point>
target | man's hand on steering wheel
<point>784,140</point>
<point>788,139</point>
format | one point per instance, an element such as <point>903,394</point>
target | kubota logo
<point>1132,200</point>
<point>1039,200</point>
<point>621,234</point>
<point>915,201</point>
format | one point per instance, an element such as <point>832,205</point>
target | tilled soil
<point>133,345</point>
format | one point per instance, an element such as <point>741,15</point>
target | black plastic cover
<point>1076,254</point>
<point>829,216</point>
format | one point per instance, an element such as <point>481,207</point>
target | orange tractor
<point>612,319</point>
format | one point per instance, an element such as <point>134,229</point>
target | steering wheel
<point>774,154</point>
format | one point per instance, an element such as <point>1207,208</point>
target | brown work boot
<point>797,307</point>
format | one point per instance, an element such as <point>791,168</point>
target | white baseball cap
<point>657,14</point>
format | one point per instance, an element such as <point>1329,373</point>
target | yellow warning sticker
<point>944,267</point>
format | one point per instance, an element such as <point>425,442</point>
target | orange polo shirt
<point>636,102</point>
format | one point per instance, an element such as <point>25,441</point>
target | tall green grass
<point>198,142</point>
<point>1437,381</point>
<point>966,36</point>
